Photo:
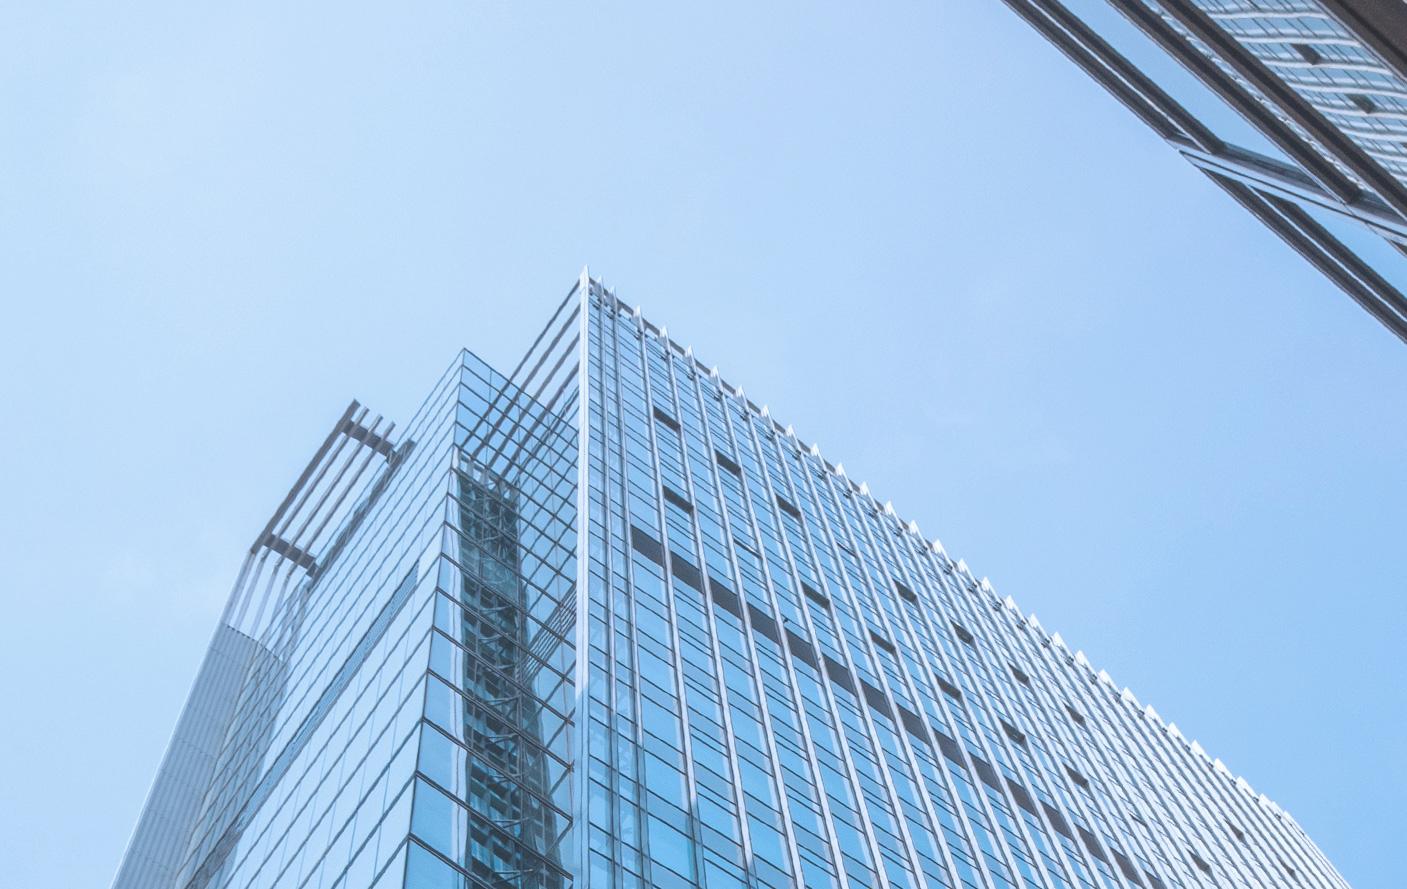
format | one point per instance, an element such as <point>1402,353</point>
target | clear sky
<point>912,228</point>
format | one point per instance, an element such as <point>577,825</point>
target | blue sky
<point>913,229</point>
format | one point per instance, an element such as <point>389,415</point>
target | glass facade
<point>1296,108</point>
<point>603,622</point>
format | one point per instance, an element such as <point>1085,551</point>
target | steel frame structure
<point>1329,171</point>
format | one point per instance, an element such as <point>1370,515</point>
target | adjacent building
<point>1297,108</point>
<point>603,622</point>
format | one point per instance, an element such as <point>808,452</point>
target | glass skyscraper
<point>1297,108</point>
<point>603,622</point>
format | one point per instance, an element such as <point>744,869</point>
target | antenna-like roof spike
<point>938,546</point>
<point>791,431</point>
<point>865,488</point>
<point>688,351</point>
<point>664,332</point>
<point>889,507</point>
<point>962,566</point>
<point>913,527</point>
<point>713,372</point>
<point>738,391</point>
<point>840,470</point>
<point>815,450</point>
<point>766,412</point>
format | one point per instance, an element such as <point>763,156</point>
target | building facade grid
<point>604,622</point>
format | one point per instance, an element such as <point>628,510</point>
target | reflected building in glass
<point>603,622</point>
<point>1297,108</point>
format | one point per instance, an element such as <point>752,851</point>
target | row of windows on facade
<point>798,646</point>
<point>803,650</point>
<point>680,502</point>
<point>840,676</point>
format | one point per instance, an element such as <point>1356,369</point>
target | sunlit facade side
<point>1297,108</point>
<point>764,678</point>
